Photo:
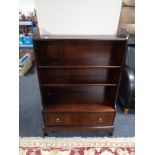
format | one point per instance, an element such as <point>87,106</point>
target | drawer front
<point>82,119</point>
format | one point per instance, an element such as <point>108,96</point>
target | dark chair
<point>126,94</point>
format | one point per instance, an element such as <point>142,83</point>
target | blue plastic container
<point>21,41</point>
<point>27,40</point>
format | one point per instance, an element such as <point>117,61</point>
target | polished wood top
<point>120,36</point>
<point>80,37</point>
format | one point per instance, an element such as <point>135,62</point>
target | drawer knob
<point>100,119</point>
<point>58,120</point>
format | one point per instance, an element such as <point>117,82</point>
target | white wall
<point>26,5</point>
<point>78,16</point>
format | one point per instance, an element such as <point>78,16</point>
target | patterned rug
<point>76,146</point>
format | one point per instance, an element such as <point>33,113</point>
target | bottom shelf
<point>78,107</point>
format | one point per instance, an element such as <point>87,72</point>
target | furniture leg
<point>111,133</point>
<point>126,110</point>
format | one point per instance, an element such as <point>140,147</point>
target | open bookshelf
<point>79,78</point>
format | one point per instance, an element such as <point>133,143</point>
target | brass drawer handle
<point>58,120</point>
<point>100,119</point>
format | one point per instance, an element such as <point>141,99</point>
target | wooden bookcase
<point>79,79</point>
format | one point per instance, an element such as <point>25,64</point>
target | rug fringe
<point>76,142</point>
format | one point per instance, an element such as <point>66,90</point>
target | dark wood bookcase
<point>79,79</point>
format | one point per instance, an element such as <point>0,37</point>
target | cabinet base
<point>109,129</point>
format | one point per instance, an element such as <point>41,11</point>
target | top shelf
<point>121,36</point>
<point>78,66</point>
<point>80,37</point>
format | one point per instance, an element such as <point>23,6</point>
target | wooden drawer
<point>81,119</point>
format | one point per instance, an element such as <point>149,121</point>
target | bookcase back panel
<point>79,75</point>
<point>78,94</point>
<point>78,52</point>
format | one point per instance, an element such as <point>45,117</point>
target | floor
<point>30,119</point>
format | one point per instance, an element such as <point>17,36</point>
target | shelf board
<point>61,62</point>
<point>30,46</point>
<point>82,37</point>
<point>78,84</point>
<point>79,107</point>
<point>77,66</point>
<point>25,23</point>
